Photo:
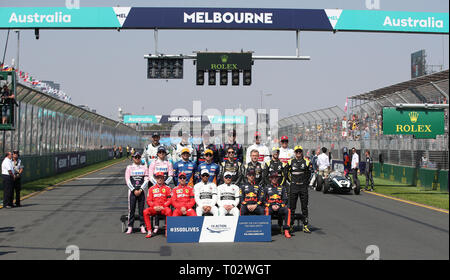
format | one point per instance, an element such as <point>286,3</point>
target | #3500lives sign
<point>219,229</point>
<point>422,123</point>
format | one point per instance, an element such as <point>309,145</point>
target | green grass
<point>433,198</point>
<point>41,184</point>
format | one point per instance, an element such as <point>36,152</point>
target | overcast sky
<point>105,69</point>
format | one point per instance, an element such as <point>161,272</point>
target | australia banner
<point>223,18</point>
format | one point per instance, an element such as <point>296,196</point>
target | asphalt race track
<point>85,212</point>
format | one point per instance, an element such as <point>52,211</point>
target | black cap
<point>16,152</point>
<point>155,134</point>
<point>137,154</point>
<point>162,149</point>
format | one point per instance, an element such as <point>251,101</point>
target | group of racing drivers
<point>216,182</point>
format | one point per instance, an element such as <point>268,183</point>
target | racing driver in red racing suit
<point>183,198</point>
<point>158,201</point>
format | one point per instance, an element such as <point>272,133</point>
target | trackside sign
<point>422,123</point>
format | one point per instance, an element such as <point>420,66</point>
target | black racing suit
<point>233,167</point>
<point>276,166</point>
<point>277,195</point>
<point>250,195</point>
<point>238,151</point>
<point>259,169</point>
<point>298,173</point>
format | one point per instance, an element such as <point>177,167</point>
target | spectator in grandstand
<point>355,165</point>
<point>368,171</point>
<point>18,170</point>
<point>424,161</point>
<point>238,151</point>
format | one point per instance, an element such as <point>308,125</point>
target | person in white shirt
<point>8,180</point>
<point>176,155</point>
<point>228,197</point>
<point>355,165</point>
<point>18,170</point>
<point>323,163</point>
<point>286,154</point>
<point>264,154</point>
<point>206,196</point>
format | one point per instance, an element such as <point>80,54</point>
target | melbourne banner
<point>422,123</point>
<point>184,119</point>
<point>219,229</point>
<point>224,18</point>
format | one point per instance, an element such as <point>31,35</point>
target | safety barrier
<point>37,167</point>
<point>430,179</point>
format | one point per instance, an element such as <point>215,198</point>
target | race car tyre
<point>319,183</point>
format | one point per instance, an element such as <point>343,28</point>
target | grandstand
<point>361,126</point>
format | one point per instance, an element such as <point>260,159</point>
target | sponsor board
<point>219,229</point>
<point>69,161</point>
<point>422,123</point>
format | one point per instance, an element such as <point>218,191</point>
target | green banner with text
<point>422,123</point>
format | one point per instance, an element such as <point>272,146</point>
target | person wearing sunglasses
<point>298,172</point>
<point>158,201</point>
<point>231,165</point>
<point>183,198</point>
<point>228,196</point>
<point>213,168</point>
<point>186,166</point>
<point>275,202</point>
<point>238,151</point>
<point>161,164</point>
<point>206,196</point>
<point>136,178</point>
